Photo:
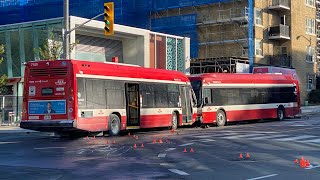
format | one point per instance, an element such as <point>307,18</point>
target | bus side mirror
<point>206,100</point>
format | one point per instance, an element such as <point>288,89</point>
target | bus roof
<point>97,69</point>
<point>220,78</point>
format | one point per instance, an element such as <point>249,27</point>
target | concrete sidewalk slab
<point>14,129</point>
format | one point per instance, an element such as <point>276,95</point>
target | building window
<point>310,25</point>
<point>311,3</point>
<point>310,82</point>
<point>258,16</point>
<point>245,51</point>
<point>258,47</point>
<point>311,55</point>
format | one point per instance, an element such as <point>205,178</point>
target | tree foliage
<point>53,49</point>
<point>3,77</point>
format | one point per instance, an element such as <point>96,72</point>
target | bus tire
<point>280,113</point>
<point>174,121</point>
<point>221,118</point>
<point>114,125</point>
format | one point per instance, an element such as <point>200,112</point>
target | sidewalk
<point>14,129</point>
<point>310,109</point>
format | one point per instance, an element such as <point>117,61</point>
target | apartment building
<point>283,33</point>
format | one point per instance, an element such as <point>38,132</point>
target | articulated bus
<point>225,97</point>
<point>68,96</point>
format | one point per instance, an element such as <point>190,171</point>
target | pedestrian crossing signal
<point>108,18</point>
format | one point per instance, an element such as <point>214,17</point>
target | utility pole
<point>66,37</point>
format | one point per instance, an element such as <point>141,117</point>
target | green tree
<point>3,77</point>
<point>52,50</point>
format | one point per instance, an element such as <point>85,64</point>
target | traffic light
<point>108,18</point>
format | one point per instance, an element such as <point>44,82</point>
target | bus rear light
<point>70,110</point>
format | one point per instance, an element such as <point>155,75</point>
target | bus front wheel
<point>174,121</point>
<point>221,118</point>
<point>114,125</point>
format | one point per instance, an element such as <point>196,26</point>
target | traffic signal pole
<point>66,37</point>
<point>67,30</point>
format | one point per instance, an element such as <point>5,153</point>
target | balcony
<point>279,5</point>
<point>280,32</point>
<point>280,60</point>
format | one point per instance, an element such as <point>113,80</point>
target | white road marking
<point>216,135</point>
<point>164,164</point>
<point>295,138</point>
<point>262,177</point>
<point>170,149</point>
<point>207,140</point>
<point>8,142</point>
<point>313,167</point>
<point>242,136</point>
<point>186,144</point>
<point>267,137</point>
<point>50,148</point>
<point>162,155</point>
<point>312,141</point>
<point>179,172</point>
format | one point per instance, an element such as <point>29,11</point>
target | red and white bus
<point>70,95</point>
<point>225,97</point>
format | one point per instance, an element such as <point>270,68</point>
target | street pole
<point>66,30</point>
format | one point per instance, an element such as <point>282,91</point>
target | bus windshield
<point>196,86</point>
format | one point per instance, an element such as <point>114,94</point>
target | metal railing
<point>280,30</point>
<point>285,3</point>
<point>10,109</point>
<point>280,60</point>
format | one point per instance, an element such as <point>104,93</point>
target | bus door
<point>133,105</point>
<point>186,106</point>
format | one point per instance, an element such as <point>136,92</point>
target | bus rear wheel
<point>280,113</point>
<point>221,118</point>
<point>114,125</point>
<point>174,121</point>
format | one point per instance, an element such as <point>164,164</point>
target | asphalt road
<point>272,145</point>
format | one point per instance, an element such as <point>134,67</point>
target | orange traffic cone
<point>94,137</point>
<point>137,137</point>
<point>296,161</point>
<point>172,130</point>
<point>114,142</point>
<point>134,146</point>
<point>303,163</point>
<point>154,141</point>
<point>240,156</point>
<point>142,146</point>
<point>107,142</point>
<point>87,138</point>
<point>129,134</point>
<point>307,163</point>
<point>247,155</point>
<point>191,150</point>
<point>167,141</point>
<point>160,141</point>
<point>185,150</point>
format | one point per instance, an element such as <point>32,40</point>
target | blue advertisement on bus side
<point>47,107</point>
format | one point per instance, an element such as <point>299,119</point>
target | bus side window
<point>207,96</point>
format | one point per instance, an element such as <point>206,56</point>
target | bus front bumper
<point>49,126</point>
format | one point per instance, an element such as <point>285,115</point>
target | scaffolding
<point>217,65</point>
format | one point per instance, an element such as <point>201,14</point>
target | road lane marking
<point>162,155</point>
<point>312,141</point>
<point>207,140</point>
<point>313,167</point>
<point>216,135</point>
<point>8,142</point>
<point>186,144</point>
<point>50,148</point>
<point>295,138</point>
<point>242,136</point>
<point>182,173</point>
<point>267,137</point>
<point>170,149</point>
<point>262,177</point>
